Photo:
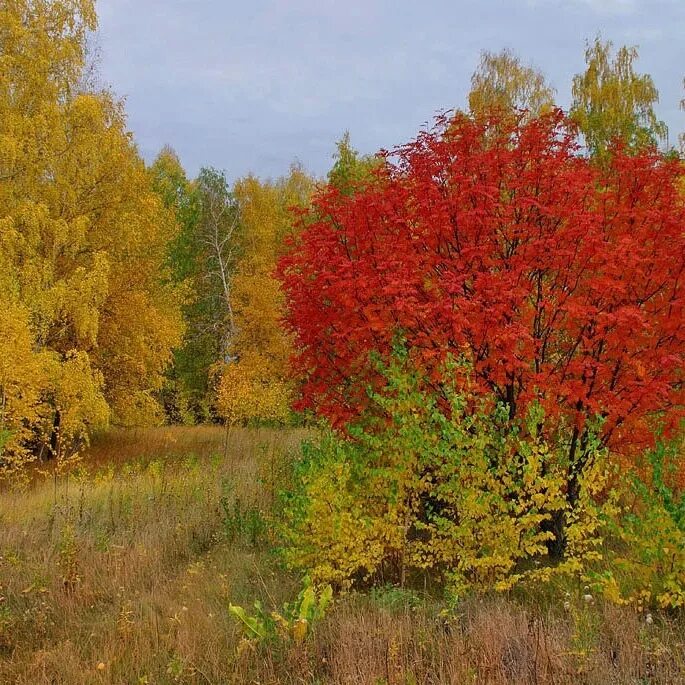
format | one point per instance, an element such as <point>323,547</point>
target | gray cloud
<point>253,86</point>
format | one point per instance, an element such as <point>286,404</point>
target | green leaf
<point>251,625</point>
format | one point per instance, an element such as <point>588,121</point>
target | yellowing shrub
<point>441,483</point>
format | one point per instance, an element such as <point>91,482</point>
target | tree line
<point>132,294</point>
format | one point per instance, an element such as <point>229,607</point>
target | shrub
<point>442,483</point>
<point>646,562</point>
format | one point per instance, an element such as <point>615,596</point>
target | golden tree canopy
<point>612,101</point>
<point>501,82</point>
<point>89,318</point>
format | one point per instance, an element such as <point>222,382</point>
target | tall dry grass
<point>121,573</point>
<point>129,564</point>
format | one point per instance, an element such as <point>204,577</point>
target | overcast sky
<point>252,86</point>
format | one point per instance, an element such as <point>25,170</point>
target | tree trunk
<point>557,545</point>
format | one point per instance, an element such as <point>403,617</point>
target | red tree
<point>560,280</point>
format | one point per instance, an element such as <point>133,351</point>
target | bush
<point>646,563</point>
<point>442,483</point>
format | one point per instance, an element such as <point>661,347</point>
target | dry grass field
<point>121,572</point>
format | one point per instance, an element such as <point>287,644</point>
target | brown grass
<point>122,574</point>
<point>133,566</point>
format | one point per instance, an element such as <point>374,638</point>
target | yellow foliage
<point>451,489</point>
<point>247,393</point>
<point>646,561</point>
<point>78,396</point>
<point>254,384</point>
<point>501,82</point>
<point>86,308</point>
<point>611,100</point>
<point>23,374</point>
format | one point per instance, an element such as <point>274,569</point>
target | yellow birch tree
<point>502,82</point>
<point>88,315</point>
<point>612,101</point>
<point>255,384</point>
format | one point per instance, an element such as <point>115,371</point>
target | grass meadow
<point>121,572</point>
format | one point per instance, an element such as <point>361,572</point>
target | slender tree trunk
<point>557,546</point>
<point>55,438</point>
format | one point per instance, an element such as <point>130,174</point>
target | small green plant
<point>68,558</point>
<point>294,622</point>
<point>176,668</point>
<point>242,523</point>
<point>395,598</point>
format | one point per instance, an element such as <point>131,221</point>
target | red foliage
<point>560,280</point>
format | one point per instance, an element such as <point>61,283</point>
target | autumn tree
<point>350,168</point>
<point>179,194</point>
<point>184,395</point>
<point>612,101</point>
<point>255,381</point>
<point>556,281</point>
<point>90,316</point>
<point>502,83</point>
<point>218,242</point>
<point>202,259</point>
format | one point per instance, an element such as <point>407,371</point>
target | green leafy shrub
<point>646,563</point>
<point>393,598</point>
<point>444,482</point>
